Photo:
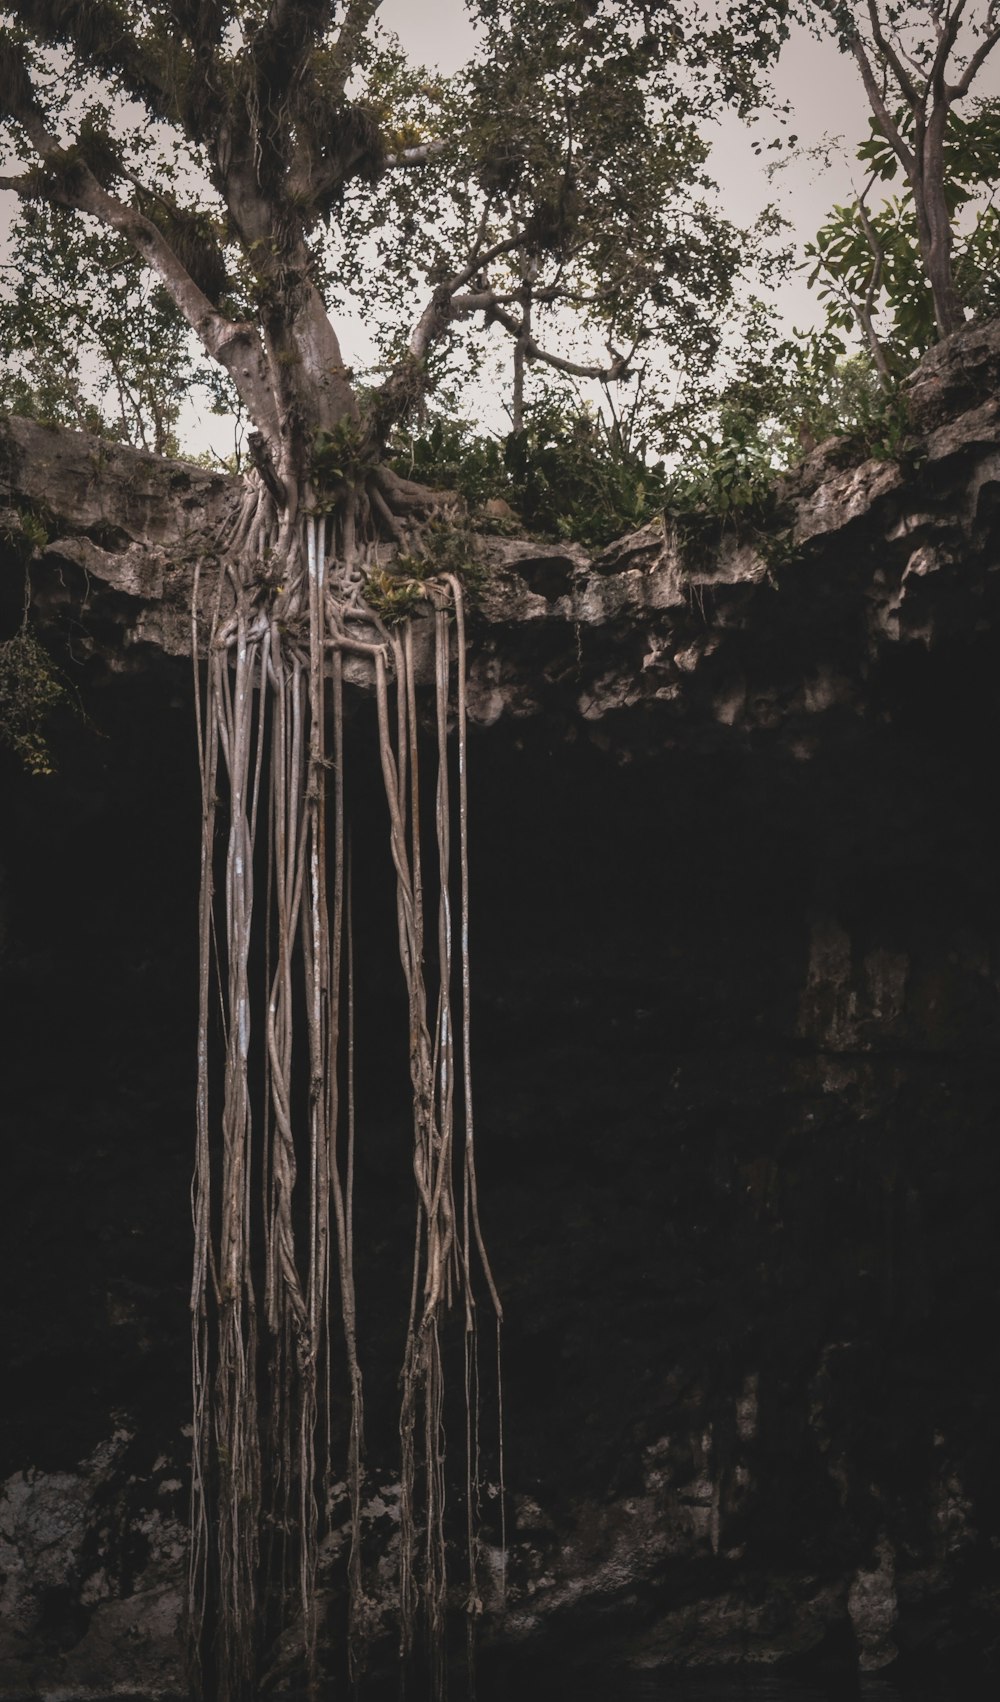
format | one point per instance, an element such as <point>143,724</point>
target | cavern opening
<point>735,1114</point>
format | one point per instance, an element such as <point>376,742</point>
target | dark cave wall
<point>735,1017</point>
<point>755,1067</point>
<point>96,1004</point>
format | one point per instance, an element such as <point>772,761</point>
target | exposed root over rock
<point>274,1182</point>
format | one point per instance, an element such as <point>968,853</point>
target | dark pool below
<point>557,1685</point>
<point>630,1687</point>
<point>599,1685</point>
<point>720,1687</point>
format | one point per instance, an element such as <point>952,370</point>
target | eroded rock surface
<point>93,1576</point>
<point>683,637</point>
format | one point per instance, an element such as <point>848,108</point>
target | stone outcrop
<point>685,635</point>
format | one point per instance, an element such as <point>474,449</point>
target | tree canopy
<point>262,159</point>
<point>917,62</point>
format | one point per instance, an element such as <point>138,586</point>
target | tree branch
<point>879,108</point>
<point>435,317</point>
<point>486,302</point>
<point>26,186</point>
<point>358,16</point>
<point>283,42</point>
<point>946,41</point>
<point>975,65</point>
<point>66,180</point>
<point>415,156</point>
<point>891,57</point>
<point>103,37</point>
<point>403,384</point>
<point>866,310</point>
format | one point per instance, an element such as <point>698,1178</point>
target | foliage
<point>513,221</point>
<point>786,396</point>
<point>90,340</point>
<point>454,456</point>
<point>393,596</point>
<point>568,474</point>
<point>916,61</point>
<point>30,689</point>
<point>45,386</point>
<point>873,259</point>
<point>971,151</point>
<point>572,477</point>
<point>812,390</point>
<point>518,224</point>
<point>341,456</point>
<point>25,529</point>
<point>842,396</point>
<point>730,475</point>
<point>448,544</point>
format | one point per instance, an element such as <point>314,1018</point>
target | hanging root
<point>273,1188</point>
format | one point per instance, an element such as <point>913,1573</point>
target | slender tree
<point>917,61</point>
<point>866,260</point>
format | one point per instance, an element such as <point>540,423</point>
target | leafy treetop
<point>560,180</point>
<point>917,60</point>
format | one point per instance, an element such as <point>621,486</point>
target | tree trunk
<point>934,227</point>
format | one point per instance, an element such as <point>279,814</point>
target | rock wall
<point>735,1004</point>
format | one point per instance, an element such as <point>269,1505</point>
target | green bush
<point>566,475</point>
<point>30,688</point>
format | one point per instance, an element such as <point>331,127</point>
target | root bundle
<point>273,1195</point>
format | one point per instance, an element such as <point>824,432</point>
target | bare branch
<point>436,314</point>
<point>358,16</point>
<point>975,65</point>
<point>446,304</point>
<point>866,310</point>
<point>521,348</point>
<point>891,57</point>
<point>877,102</point>
<point>486,302</point>
<point>946,41</point>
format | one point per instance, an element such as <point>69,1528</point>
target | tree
<point>516,197</point>
<point>866,262</point>
<point>916,63</point>
<point>563,173</point>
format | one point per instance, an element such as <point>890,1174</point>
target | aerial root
<point>273,1192</point>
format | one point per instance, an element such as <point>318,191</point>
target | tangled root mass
<point>274,1281</point>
